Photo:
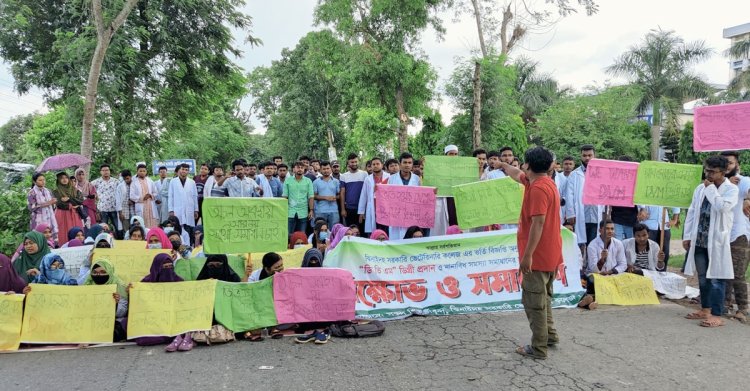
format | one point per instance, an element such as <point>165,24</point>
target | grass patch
<point>676,261</point>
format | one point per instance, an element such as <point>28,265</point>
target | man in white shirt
<point>183,200</point>
<point>583,217</point>
<point>736,292</point>
<point>493,170</point>
<point>605,256</point>
<point>642,253</point>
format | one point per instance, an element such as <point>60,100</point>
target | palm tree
<point>536,91</point>
<point>660,67</point>
<point>740,84</point>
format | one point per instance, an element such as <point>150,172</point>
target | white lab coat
<point>136,196</point>
<point>561,182</point>
<point>210,183</point>
<point>183,200</point>
<point>367,202</point>
<point>396,233</point>
<point>162,186</point>
<point>574,203</point>
<point>722,202</point>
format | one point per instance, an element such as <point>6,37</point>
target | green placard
<point>666,184</point>
<point>444,172</point>
<point>496,201</point>
<point>244,225</point>
<point>189,269</point>
<point>242,306</point>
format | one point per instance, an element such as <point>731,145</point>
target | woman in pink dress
<point>69,199</point>
<point>89,196</point>
<point>40,203</point>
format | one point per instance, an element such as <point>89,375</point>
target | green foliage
<point>501,121</point>
<point>11,136</point>
<point>373,133</point>
<point>431,138</point>
<point>603,118</point>
<point>14,214</point>
<point>51,134</point>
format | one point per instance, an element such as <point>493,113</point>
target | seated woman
<point>10,281</point>
<point>339,232</point>
<point>313,258</point>
<point>35,247</point>
<point>272,264</point>
<point>379,235</point>
<point>103,273</point>
<point>162,270</point>
<point>319,235</point>
<point>74,233</point>
<point>157,239</point>
<point>173,224</point>
<point>298,239</point>
<point>135,233</point>
<point>136,221</point>
<point>52,271</point>
<point>93,232</point>
<point>414,232</point>
<point>217,268</point>
<point>104,240</point>
<point>183,251</point>
<point>43,229</point>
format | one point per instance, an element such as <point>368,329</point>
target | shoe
<point>307,337</point>
<point>322,337</point>
<point>172,347</point>
<point>187,344</point>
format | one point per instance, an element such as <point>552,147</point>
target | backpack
<point>217,334</point>
<point>372,328</point>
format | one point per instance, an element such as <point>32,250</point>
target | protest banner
<point>170,308</point>
<point>74,257</point>
<point>671,285</point>
<point>170,164</point>
<point>242,306</point>
<point>496,201</point>
<point>721,127</point>
<point>69,314</point>
<point>405,206</point>
<point>444,275</point>
<point>610,182</point>
<point>189,269</point>
<point>244,225</point>
<point>11,316</point>
<point>624,289</point>
<point>130,244</point>
<point>444,172</point>
<point>292,258</point>
<point>130,265</point>
<point>666,184</point>
<point>314,295</point>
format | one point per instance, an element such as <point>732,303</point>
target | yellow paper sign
<point>130,244</point>
<point>11,315</point>
<point>130,265</point>
<point>624,289</point>
<point>292,258</point>
<point>69,314</point>
<point>170,308</point>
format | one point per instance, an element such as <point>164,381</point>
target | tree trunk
<point>403,137</point>
<point>476,110</point>
<point>655,130</point>
<point>480,33</point>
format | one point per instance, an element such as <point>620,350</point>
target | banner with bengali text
<point>11,316</point>
<point>244,225</point>
<point>405,206</point>
<point>445,275</point>
<point>170,308</point>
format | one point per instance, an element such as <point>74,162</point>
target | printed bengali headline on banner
<point>457,274</point>
<point>244,225</point>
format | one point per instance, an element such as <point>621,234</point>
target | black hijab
<point>221,273</point>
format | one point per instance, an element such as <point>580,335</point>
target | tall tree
<point>536,90</point>
<point>740,83</point>
<point>661,67</point>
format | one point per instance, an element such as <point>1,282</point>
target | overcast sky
<point>575,51</point>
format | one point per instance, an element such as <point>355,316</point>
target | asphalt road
<point>612,348</point>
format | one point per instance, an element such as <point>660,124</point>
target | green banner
<point>244,225</point>
<point>444,172</point>
<point>497,201</point>
<point>666,184</point>
<point>242,306</point>
<point>189,269</point>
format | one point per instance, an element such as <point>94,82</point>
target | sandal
<point>741,316</point>
<point>253,337</point>
<point>697,315</point>
<point>527,351</point>
<point>712,322</point>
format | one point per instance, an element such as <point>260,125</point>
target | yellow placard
<point>624,289</point>
<point>292,258</point>
<point>130,265</point>
<point>130,244</point>
<point>170,308</point>
<point>11,316</point>
<point>69,314</point>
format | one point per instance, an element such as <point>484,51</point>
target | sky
<point>575,51</point>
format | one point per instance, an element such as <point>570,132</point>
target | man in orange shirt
<point>539,259</point>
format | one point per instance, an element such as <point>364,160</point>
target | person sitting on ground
<point>73,234</point>
<point>313,258</point>
<point>379,235</point>
<point>297,240</point>
<point>52,272</point>
<point>93,232</point>
<point>104,240</point>
<point>136,221</point>
<point>136,233</point>
<point>272,264</point>
<point>183,251</point>
<point>339,232</point>
<point>217,268</point>
<point>46,232</point>
<point>414,232</point>
<point>35,247</point>
<point>10,281</point>
<point>103,273</point>
<point>352,231</point>
<point>157,239</point>
<point>319,236</point>
<point>642,253</point>
<point>606,256</point>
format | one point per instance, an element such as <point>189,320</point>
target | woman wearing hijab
<point>88,192</point>
<point>42,229</point>
<point>379,235</point>
<point>162,270</point>
<point>173,224</point>
<point>137,221</point>
<point>217,268</point>
<point>69,199</point>
<point>52,272</point>
<point>103,273</point>
<point>10,281</point>
<point>414,232</point>
<point>319,235</point>
<point>34,249</point>
<point>93,232</point>
<point>104,240</point>
<point>298,239</point>
<point>74,233</point>
<point>74,243</point>
<point>40,203</point>
<point>338,235</point>
<point>313,258</point>
<point>157,239</point>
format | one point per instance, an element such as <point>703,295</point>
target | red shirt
<point>541,198</point>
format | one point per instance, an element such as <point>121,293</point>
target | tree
<point>431,138</point>
<point>740,83</point>
<point>602,117</point>
<point>11,135</point>
<point>536,91</point>
<point>661,67</point>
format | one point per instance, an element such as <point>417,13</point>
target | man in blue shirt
<point>268,169</point>
<point>352,182</point>
<point>327,189</point>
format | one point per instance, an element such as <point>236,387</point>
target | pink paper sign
<point>610,182</point>
<point>722,127</point>
<point>405,206</point>
<point>314,295</point>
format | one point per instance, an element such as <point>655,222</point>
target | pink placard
<point>610,182</point>
<point>405,206</point>
<point>722,127</point>
<point>314,295</point>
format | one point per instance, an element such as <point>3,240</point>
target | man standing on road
<point>539,259</point>
<point>352,182</point>
<point>106,197</point>
<point>585,218</point>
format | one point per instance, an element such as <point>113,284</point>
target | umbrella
<point>61,162</point>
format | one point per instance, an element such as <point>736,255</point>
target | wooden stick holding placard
<point>663,227</point>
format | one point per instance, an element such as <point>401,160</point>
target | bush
<point>14,215</point>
